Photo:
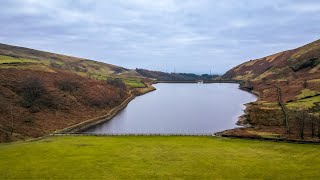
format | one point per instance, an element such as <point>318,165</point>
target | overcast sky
<point>188,35</point>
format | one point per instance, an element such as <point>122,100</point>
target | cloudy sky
<point>188,35</point>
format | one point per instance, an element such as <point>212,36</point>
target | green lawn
<point>157,157</point>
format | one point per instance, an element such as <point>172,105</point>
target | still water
<point>181,108</point>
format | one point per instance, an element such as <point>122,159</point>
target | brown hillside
<point>288,84</point>
<point>303,61</point>
<point>41,92</point>
<point>65,99</point>
<point>81,66</point>
<point>292,70</point>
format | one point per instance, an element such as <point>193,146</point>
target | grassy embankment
<point>130,157</point>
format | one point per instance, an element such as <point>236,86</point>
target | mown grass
<point>157,158</point>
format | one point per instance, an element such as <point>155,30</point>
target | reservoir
<point>181,108</point>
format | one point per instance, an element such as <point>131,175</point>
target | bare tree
<point>12,118</point>
<point>318,119</point>
<point>302,119</point>
<point>305,83</point>
<point>313,118</point>
<point>32,89</point>
<point>288,82</point>
<point>283,108</point>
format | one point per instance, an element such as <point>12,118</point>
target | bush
<point>55,65</point>
<point>117,82</point>
<point>68,85</point>
<point>29,119</point>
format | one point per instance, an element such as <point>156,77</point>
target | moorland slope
<point>41,92</point>
<point>288,84</point>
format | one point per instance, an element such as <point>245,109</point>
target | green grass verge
<point>157,158</point>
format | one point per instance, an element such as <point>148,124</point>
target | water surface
<point>181,108</point>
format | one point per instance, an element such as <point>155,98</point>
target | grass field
<point>157,157</point>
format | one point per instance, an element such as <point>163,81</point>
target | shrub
<point>29,119</point>
<point>55,65</point>
<point>117,82</point>
<point>68,85</point>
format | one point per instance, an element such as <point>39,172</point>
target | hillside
<point>162,76</point>
<point>296,71</point>
<point>303,62</point>
<point>288,84</point>
<point>25,58</point>
<point>41,92</point>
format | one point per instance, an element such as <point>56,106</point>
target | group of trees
<point>306,123</point>
<point>164,76</point>
<point>34,93</point>
<point>117,82</point>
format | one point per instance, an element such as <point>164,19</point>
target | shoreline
<point>229,133</point>
<point>82,126</point>
<point>260,131</point>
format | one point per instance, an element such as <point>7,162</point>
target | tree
<point>313,119</point>
<point>302,119</point>
<point>32,89</point>
<point>116,82</point>
<point>318,118</point>
<point>305,83</point>
<point>299,117</point>
<point>12,118</point>
<point>288,82</point>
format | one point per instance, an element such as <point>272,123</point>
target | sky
<point>186,35</point>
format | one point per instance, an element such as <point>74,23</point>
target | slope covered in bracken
<point>288,84</point>
<point>81,66</point>
<point>303,62</point>
<point>296,71</point>
<point>41,92</point>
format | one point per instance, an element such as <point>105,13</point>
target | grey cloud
<point>190,35</point>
